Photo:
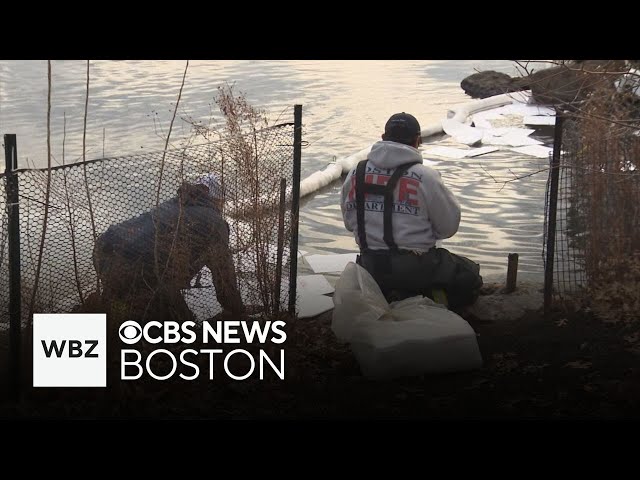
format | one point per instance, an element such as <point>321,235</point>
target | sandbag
<point>414,336</point>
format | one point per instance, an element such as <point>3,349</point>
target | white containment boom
<point>333,172</point>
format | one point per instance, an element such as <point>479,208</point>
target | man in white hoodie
<point>398,208</point>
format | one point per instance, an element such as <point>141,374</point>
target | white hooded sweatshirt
<point>424,209</point>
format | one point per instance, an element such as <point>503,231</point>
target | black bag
<point>459,277</point>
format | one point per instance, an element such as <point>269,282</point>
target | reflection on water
<point>345,106</point>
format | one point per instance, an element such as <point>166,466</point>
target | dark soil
<point>568,366</point>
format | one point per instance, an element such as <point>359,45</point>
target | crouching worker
<point>398,208</point>
<point>145,262</point>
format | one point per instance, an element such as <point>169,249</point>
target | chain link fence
<point>4,256</point>
<point>132,227</point>
<point>597,238</point>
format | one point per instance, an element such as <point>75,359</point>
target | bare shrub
<point>601,146</point>
<point>255,191</point>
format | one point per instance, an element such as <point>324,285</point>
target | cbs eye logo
<point>130,332</point>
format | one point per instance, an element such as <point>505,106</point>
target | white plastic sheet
<point>539,120</point>
<point>451,152</point>
<point>413,337</point>
<point>462,133</point>
<point>504,131</point>
<point>524,110</point>
<point>310,305</point>
<point>482,121</point>
<point>534,150</point>
<point>316,284</point>
<point>512,139</point>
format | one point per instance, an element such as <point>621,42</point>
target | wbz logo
<point>75,348</point>
<point>69,350</point>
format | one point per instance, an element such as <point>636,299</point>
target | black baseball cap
<point>401,127</point>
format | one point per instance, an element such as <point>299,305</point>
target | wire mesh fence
<point>597,236</point>
<point>568,256</point>
<point>186,233</point>
<point>4,257</point>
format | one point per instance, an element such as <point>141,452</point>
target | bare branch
<point>160,275</point>
<point>166,145</point>
<point>47,194</point>
<point>84,167</point>
<point>516,177</point>
<point>71,220</point>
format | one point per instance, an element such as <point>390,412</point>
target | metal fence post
<point>281,212</point>
<point>295,206</point>
<point>553,209</point>
<point>13,213</point>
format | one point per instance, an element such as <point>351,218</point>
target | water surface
<point>345,106</point>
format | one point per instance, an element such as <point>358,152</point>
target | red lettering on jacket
<point>407,188</point>
<point>408,191</point>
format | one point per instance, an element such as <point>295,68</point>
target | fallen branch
<point>504,183</point>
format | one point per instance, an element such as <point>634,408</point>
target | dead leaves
<point>505,362</point>
<point>615,292</point>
